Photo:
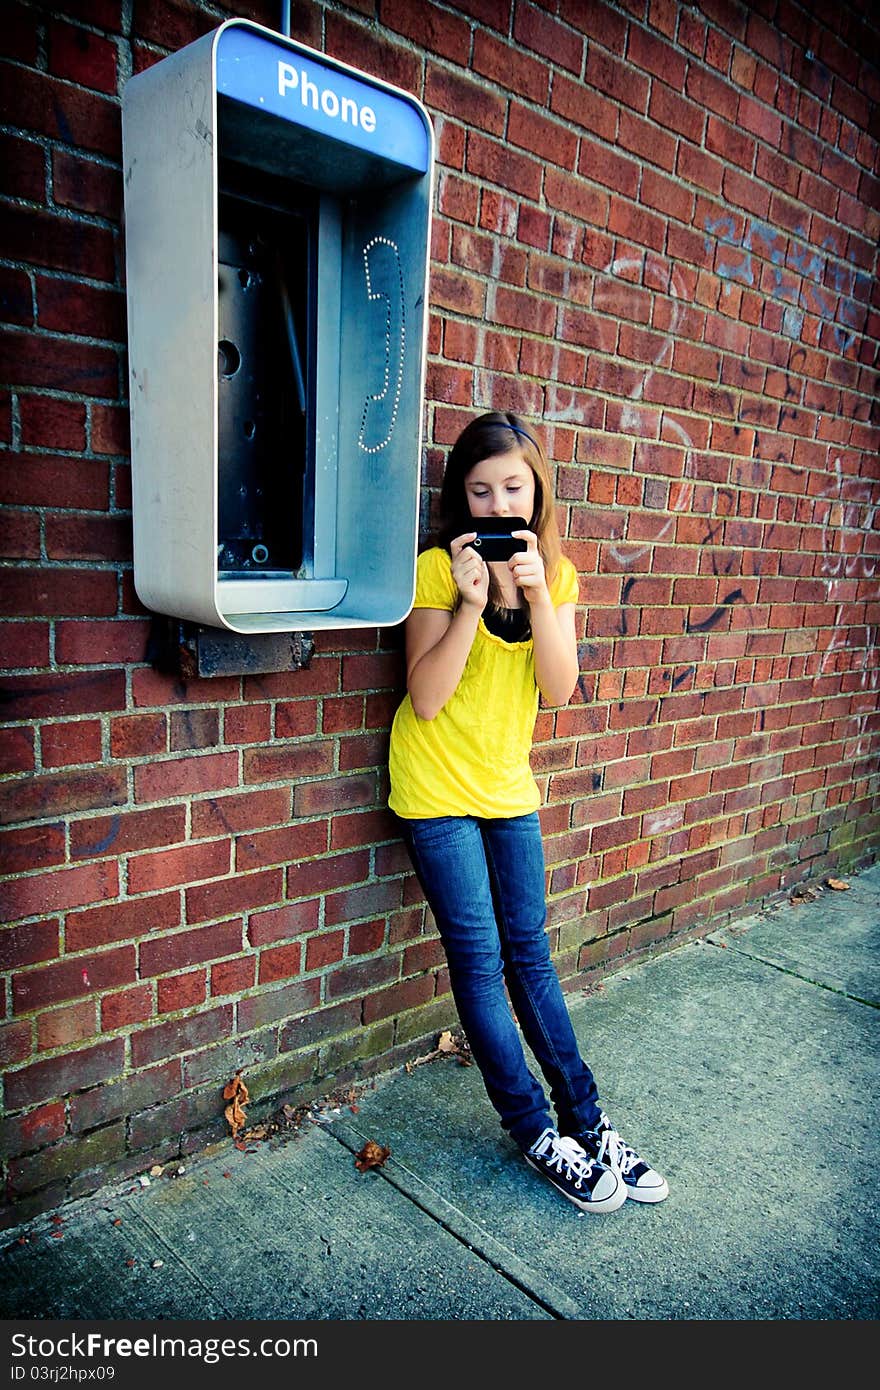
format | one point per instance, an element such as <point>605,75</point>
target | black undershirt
<point>510,624</point>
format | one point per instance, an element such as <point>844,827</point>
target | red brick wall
<point>656,230</point>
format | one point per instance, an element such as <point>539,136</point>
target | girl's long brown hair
<point>499,432</point>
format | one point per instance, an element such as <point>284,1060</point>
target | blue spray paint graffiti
<point>821,285</point>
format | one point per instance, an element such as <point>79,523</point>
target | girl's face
<point>503,485</point>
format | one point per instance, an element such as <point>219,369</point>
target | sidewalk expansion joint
<point>795,974</point>
<point>464,1229</point>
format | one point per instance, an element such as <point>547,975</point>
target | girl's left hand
<point>527,568</point>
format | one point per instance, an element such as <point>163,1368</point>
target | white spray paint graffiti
<point>630,418</point>
<point>850,520</point>
<point>483,377</point>
<point>847,515</point>
<point>853,515</point>
<point>838,294</point>
<point>563,406</point>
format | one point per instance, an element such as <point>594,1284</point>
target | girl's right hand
<point>470,573</point>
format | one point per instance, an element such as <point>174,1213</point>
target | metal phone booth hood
<point>277,222</point>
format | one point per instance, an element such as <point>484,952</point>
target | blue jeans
<point>484,883</point>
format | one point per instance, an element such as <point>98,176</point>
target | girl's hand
<point>527,568</point>
<point>470,573</point>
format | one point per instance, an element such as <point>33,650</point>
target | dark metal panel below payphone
<point>188,650</point>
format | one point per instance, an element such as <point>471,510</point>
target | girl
<point>481,642</point>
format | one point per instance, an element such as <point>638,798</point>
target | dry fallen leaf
<point>447,1046</point>
<point>236,1087</point>
<point>235,1117</point>
<point>805,894</point>
<point>258,1132</point>
<point>372,1155</point>
<point>837,883</point>
<point>236,1092</point>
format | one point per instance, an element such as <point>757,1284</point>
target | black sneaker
<point>604,1145</point>
<point>588,1182</point>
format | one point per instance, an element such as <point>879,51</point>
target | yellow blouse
<point>472,759</point>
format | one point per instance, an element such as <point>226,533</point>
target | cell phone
<point>493,540</point>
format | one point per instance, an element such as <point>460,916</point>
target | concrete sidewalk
<point>743,1066</point>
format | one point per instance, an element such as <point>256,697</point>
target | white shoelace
<point>616,1153</point>
<point>566,1151</point>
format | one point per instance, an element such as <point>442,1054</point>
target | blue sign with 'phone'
<point>282,80</point>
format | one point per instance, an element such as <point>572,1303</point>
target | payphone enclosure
<point>277,211</point>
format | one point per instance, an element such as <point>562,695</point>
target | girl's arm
<point>438,643</point>
<point>553,633</point>
<point>556,659</point>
